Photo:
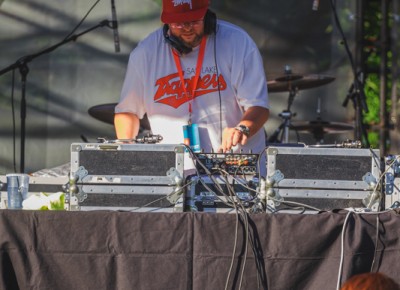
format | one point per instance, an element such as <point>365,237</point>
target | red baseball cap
<point>183,10</point>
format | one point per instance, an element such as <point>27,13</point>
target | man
<point>199,72</point>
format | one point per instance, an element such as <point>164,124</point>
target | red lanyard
<point>199,64</point>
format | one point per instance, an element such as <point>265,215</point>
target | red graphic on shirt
<point>170,91</point>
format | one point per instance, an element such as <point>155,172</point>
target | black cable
<point>246,225</point>
<point>13,86</point>
<point>375,159</point>
<point>242,211</point>
<point>258,259</point>
<point>228,202</point>
<point>236,204</point>
<point>346,45</point>
<point>238,213</point>
<point>234,250</point>
<point>259,162</point>
<point>234,201</point>
<point>218,83</point>
<point>222,172</point>
<point>376,244</point>
<point>229,197</point>
<point>356,82</point>
<point>83,19</point>
<point>161,198</point>
<point>209,174</point>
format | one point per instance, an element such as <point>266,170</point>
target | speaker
<point>210,27</point>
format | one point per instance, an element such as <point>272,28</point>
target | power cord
<point>342,241</point>
<point>240,211</point>
<point>376,243</point>
<point>342,250</point>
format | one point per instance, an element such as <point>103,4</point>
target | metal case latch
<point>176,179</point>
<point>272,196</point>
<point>372,200</point>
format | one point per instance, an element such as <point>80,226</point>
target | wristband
<point>244,129</point>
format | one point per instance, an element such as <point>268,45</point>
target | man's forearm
<point>126,125</point>
<point>254,118</point>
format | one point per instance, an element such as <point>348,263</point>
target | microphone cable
<point>82,20</point>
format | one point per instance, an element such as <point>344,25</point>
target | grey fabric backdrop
<point>62,85</point>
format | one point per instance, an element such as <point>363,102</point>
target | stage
<point>128,250</point>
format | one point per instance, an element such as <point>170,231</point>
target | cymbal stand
<point>284,127</point>
<point>319,134</point>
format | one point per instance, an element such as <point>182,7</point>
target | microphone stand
<point>355,93</point>
<point>357,96</point>
<point>22,65</point>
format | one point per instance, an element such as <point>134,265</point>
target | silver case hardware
<point>134,177</point>
<point>326,178</point>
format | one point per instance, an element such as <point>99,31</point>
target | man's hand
<point>231,137</point>
<point>253,118</point>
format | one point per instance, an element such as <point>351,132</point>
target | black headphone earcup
<point>210,23</point>
<point>175,42</point>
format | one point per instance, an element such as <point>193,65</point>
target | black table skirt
<point>125,250</point>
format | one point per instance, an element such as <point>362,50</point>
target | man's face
<point>190,33</point>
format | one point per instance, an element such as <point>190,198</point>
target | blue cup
<point>192,137</point>
<point>17,190</point>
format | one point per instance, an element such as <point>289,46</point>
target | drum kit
<point>292,83</point>
<point>288,82</point>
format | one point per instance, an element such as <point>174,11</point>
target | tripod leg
<point>275,135</point>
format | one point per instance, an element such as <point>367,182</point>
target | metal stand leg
<point>284,127</point>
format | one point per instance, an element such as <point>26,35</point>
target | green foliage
<point>372,24</point>
<point>371,90</point>
<point>373,139</point>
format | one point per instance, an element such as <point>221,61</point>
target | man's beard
<point>195,42</point>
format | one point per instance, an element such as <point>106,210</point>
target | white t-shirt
<point>152,84</point>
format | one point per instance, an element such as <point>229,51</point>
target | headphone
<point>210,27</point>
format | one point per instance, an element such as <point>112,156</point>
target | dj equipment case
<point>134,177</point>
<point>324,178</point>
<point>392,181</point>
<point>210,193</point>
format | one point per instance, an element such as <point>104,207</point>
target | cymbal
<point>320,126</point>
<point>288,78</point>
<point>288,83</point>
<point>105,113</point>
